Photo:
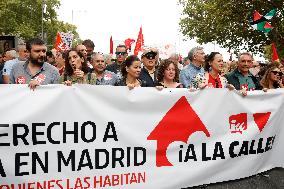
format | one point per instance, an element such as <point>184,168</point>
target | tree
<point>23,18</point>
<point>226,22</point>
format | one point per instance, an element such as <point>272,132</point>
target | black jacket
<point>145,76</point>
<point>233,79</point>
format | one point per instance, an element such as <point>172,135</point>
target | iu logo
<point>40,78</point>
<point>108,76</point>
<point>179,123</point>
<point>21,80</point>
<point>238,123</point>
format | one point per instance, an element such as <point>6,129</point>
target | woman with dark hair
<point>131,69</point>
<point>168,74</point>
<point>212,77</point>
<point>76,70</point>
<point>272,78</point>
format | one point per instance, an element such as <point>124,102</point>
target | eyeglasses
<point>120,53</point>
<point>277,73</point>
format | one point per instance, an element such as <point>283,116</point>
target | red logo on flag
<point>21,80</point>
<point>179,123</point>
<point>60,45</point>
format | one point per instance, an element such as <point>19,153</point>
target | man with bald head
<point>104,77</point>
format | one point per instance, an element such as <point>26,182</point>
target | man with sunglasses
<point>148,72</point>
<point>121,54</point>
<point>103,76</point>
<point>241,78</point>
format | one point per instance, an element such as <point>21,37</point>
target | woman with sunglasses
<point>272,78</point>
<point>131,69</point>
<point>168,74</point>
<point>76,70</point>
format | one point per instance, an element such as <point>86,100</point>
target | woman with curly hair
<point>168,74</point>
<point>131,69</point>
<point>76,70</point>
<point>272,78</point>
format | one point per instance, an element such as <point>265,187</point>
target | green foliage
<point>226,22</point>
<point>23,18</point>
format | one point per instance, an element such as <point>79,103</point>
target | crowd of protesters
<point>32,64</point>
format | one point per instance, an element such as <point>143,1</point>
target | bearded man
<point>35,71</point>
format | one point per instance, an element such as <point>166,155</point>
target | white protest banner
<point>85,137</point>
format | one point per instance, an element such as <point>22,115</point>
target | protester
<point>83,50</point>
<point>272,78</point>
<point>241,78</point>
<point>121,54</point>
<point>50,58</point>
<point>10,55</point>
<point>213,66</point>
<point>59,62</point>
<point>90,46</point>
<point>22,57</point>
<point>76,70</point>
<point>232,65</point>
<point>35,71</point>
<point>148,72</point>
<point>175,57</point>
<point>168,75</point>
<point>103,76</point>
<point>109,59</point>
<point>131,69</point>
<point>188,75</point>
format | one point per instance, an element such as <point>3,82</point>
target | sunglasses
<point>150,55</point>
<point>277,73</point>
<point>120,53</point>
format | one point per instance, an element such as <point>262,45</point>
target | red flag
<point>60,45</point>
<point>111,45</point>
<point>256,16</point>
<point>128,42</point>
<point>275,57</point>
<point>139,42</point>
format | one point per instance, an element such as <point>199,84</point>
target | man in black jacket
<point>121,54</point>
<point>148,72</point>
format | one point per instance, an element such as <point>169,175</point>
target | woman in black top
<point>168,74</point>
<point>131,69</point>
